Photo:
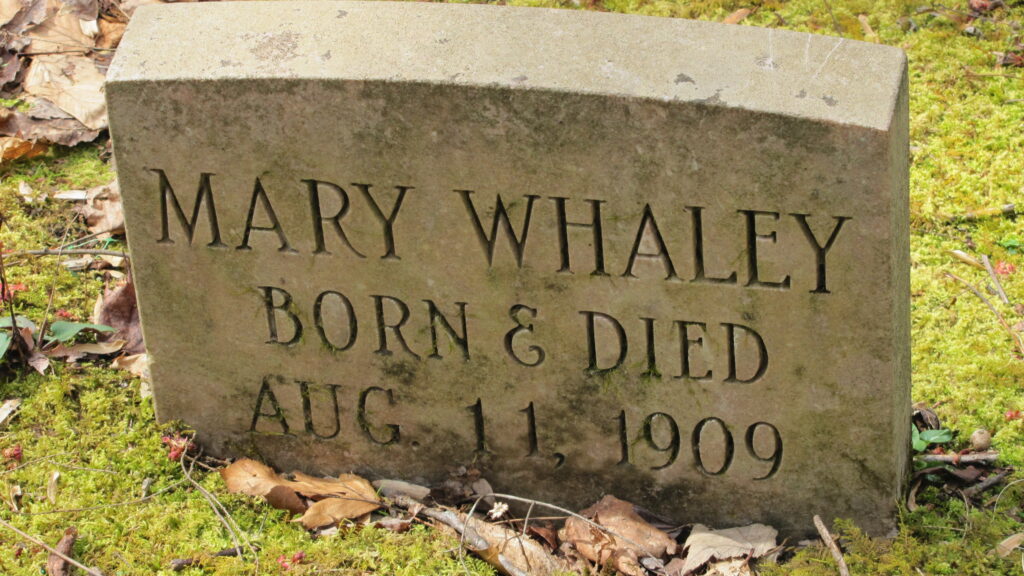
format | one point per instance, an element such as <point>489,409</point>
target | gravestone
<point>586,253</point>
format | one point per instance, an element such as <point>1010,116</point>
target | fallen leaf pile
<point>54,59</point>
<point>612,534</point>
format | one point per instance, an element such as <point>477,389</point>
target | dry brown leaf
<point>10,66</point>
<point>737,16</point>
<point>111,32</point>
<point>511,552</point>
<point>330,511</point>
<point>135,364</point>
<point>57,566</point>
<point>45,123</point>
<point>704,544</point>
<point>40,362</point>
<point>8,10</point>
<point>76,352</point>
<point>255,479</point>
<point>60,32</point>
<point>7,411</point>
<point>73,83</point>
<point>620,517</point>
<point>118,308</point>
<point>348,496</point>
<point>16,148</point>
<point>1010,544</point>
<point>102,210</point>
<point>30,13</point>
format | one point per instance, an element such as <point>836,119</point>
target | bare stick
<point>1017,338</point>
<point>74,251</point>
<point>985,484</point>
<point>837,554</point>
<point>978,458</point>
<point>222,513</point>
<point>53,286</point>
<point>1008,210</point>
<point>210,501</point>
<point>995,279</point>
<point>102,506</point>
<point>38,542</point>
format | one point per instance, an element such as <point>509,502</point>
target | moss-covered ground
<point>92,425</point>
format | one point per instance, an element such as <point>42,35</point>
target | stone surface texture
<point>363,302</point>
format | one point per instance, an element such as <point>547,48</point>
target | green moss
<point>92,426</point>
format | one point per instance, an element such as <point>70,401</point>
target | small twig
<point>219,510</point>
<point>995,279</point>
<point>985,484</point>
<point>53,286</point>
<point>102,506</point>
<point>38,542</point>
<point>977,458</point>
<point>835,23</point>
<point>973,74</point>
<point>837,554</point>
<point>1016,337</point>
<point>75,251</point>
<point>1006,210</point>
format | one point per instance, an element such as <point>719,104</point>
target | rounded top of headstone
<point>764,70</point>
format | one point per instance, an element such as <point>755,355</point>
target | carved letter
<point>258,193</point>
<point>698,251</point>
<point>319,218</point>
<point>510,336</point>
<point>620,334</point>
<point>594,225</point>
<point>752,239</point>
<point>652,361</point>
<point>436,317</point>
<point>318,320</point>
<point>387,221</point>
<point>307,411</point>
<point>284,306</point>
<point>382,325</point>
<point>500,220</point>
<point>267,394</point>
<point>204,195</point>
<point>684,350</point>
<point>820,251</point>
<point>365,425</point>
<point>762,353</point>
<point>661,254</point>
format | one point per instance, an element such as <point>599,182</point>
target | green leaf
<point>66,331</point>
<point>21,321</point>
<point>5,342</point>
<point>1012,244</point>
<point>916,442</point>
<point>937,436</point>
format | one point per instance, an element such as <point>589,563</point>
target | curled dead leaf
<point>627,531</point>
<point>102,210</point>
<point>119,309</point>
<point>704,544</point>
<point>330,511</point>
<point>12,148</point>
<point>348,496</point>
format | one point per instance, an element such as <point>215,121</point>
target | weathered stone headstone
<point>589,253</point>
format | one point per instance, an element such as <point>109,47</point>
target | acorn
<point>981,440</point>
